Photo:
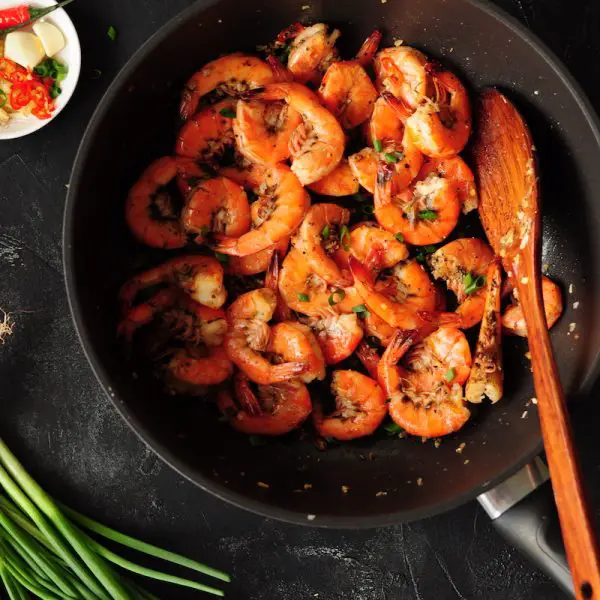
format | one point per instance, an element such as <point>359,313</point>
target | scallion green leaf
<point>361,310</point>
<point>391,157</point>
<point>325,232</point>
<point>392,429</point>
<point>344,235</point>
<point>427,215</point>
<point>227,112</point>
<point>471,283</point>
<point>3,98</point>
<point>222,258</point>
<point>112,33</point>
<point>336,297</point>
<point>377,145</point>
<point>303,297</point>
<point>450,375</point>
<point>399,237</point>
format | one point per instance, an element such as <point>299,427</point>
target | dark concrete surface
<point>55,416</point>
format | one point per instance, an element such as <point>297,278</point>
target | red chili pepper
<point>15,17</point>
<point>20,95</point>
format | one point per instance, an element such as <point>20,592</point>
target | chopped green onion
<point>222,258</point>
<point>336,297</point>
<point>427,215</point>
<point>429,249</point>
<point>2,98</point>
<point>303,297</point>
<point>112,33</point>
<point>392,157</point>
<point>227,112</point>
<point>344,233</point>
<point>392,429</point>
<point>472,284</point>
<point>450,375</point>
<point>377,145</point>
<point>325,232</point>
<point>399,237</point>
<point>361,310</point>
<point>257,441</point>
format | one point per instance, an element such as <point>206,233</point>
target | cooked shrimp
<point>456,170</point>
<point>425,213</point>
<point>405,300</point>
<point>376,327</point>
<point>201,277</point>
<point>384,124</point>
<point>295,342</point>
<point>230,75</point>
<point>360,407</point>
<point>463,265</point>
<point>340,182</point>
<point>249,335</point>
<point>275,215</point>
<point>403,72</point>
<point>263,130</point>
<point>199,366</point>
<point>206,136</point>
<point>373,246</point>
<point>317,145</point>
<point>217,206</point>
<point>319,236</point>
<point>149,211</point>
<point>426,395</point>
<point>403,159</point>
<point>346,89</point>
<point>252,264</point>
<point>369,357</point>
<point>486,378</point>
<point>274,410</point>
<point>312,50</point>
<point>337,335</point>
<point>441,128</point>
<point>282,310</point>
<point>513,320</point>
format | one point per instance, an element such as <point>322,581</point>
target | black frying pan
<point>136,122</point>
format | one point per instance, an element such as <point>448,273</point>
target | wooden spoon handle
<point>576,524</point>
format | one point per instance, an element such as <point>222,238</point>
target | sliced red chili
<point>15,15</point>
<point>20,95</point>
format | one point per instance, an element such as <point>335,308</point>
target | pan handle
<point>522,509</point>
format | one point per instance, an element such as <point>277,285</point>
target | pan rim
<point>164,453</point>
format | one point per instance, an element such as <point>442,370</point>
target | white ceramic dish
<point>70,55</point>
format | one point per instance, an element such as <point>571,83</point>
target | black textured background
<point>57,419</point>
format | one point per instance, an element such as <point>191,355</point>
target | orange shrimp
<point>274,410</point>
<point>248,338</point>
<point>317,145</point>
<point>207,135</point>
<point>295,342</point>
<point>340,182</point>
<point>263,130</point>
<point>456,170</point>
<point>201,277</point>
<point>252,264</point>
<point>149,212</point>
<point>347,91</point>
<point>378,328</point>
<point>360,407</point>
<point>463,265</point>
<point>312,50</point>
<point>403,72</point>
<point>282,310</point>
<point>231,75</point>
<point>426,395</point>
<point>275,215</point>
<point>337,335</point>
<point>200,366</point>
<point>425,213</point>
<point>513,320</point>
<point>322,232</point>
<point>405,300</point>
<point>384,124</point>
<point>441,127</point>
<point>404,161</point>
<point>373,246</point>
<point>217,206</point>
<point>369,357</point>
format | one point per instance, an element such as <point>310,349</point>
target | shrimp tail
<point>289,33</point>
<point>256,93</point>
<point>282,312</point>
<point>246,396</point>
<point>286,371</point>
<point>439,318</point>
<point>369,48</point>
<point>225,244</point>
<point>369,357</point>
<point>397,105</point>
<point>361,272</point>
<point>280,71</point>
<point>403,339</point>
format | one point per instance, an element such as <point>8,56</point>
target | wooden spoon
<point>504,157</point>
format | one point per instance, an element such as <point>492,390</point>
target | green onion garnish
<point>3,98</point>
<point>427,215</point>
<point>472,284</point>
<point>303,297</point>
<point>227,112</point>
<point>336,297</point>
<point>391,157</point>
<point>112,33</point>
<point>325,232</point>
<point>361,310</point>
<point>377,145</point>
<point>450,375</point>
<point>222,258</point>
<point>344,233</point>
<point>399,237</point>
<point>392,429</point>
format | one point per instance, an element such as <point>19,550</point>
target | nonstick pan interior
<point>386,479</point>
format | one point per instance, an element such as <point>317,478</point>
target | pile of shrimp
<point>308,203</point>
